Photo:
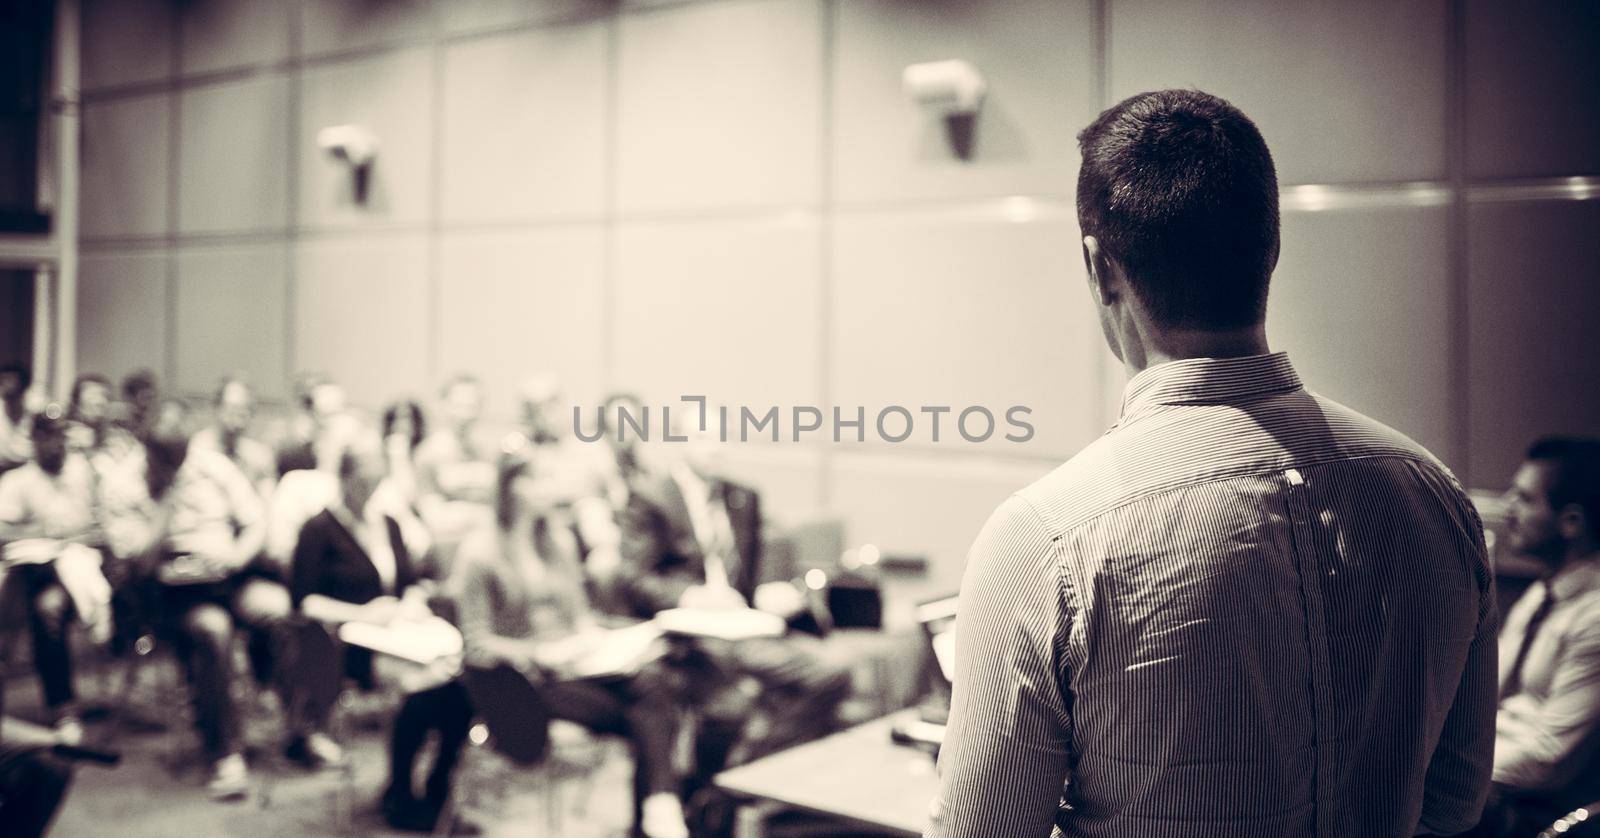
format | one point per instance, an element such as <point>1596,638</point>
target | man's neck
<point>1578,553</point>
<point>1167,345</point>
<point>13,409</point>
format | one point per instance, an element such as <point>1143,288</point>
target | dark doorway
<point>16,318</point>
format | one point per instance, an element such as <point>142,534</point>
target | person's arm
<point>1457,781</point>
<point>1004,761</point>
<point>1456,784</point>
<point>1541,749</point>
<point>474,614</point>
<point>311,554</point>
<point>16,520</point>
<point>248,509</point>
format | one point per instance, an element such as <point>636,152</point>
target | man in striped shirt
<point>1245,610</point>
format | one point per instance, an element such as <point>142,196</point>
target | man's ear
<point>1104,282</point>
<point>1571,522</point>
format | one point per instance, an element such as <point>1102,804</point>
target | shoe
<point>409,818</point>
<point>662,817</point>
<point>230,779</point>
<point>314,751</point>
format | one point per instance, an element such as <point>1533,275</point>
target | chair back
<point>514,711</point>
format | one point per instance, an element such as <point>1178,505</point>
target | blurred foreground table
<point>857,775</point>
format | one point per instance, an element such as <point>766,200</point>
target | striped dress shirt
<point>1244,611</point>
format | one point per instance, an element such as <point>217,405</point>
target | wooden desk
<point>857,775</point>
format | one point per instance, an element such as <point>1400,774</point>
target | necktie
<point>719,541</point>
<point>1514,674</point>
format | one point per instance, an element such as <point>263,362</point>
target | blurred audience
<point>404,429</point>
<point>140,396</point>
<point>14,383</point>
<point>234,408</point>
<point>114,517</point>
<point>1547,732</point>
<point>320,403</point>
<point>188,523</point>
<point>455,472</point>
<point>92,429</point>
<point>522,603</point>
<point>52,570</point>
<point>352,564</point>
<point>627,457</point>
<point>691,538</point>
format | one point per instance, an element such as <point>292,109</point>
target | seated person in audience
<point>187,522</point>
<point>90,429</point>
<point>303,493</point>
<point>623,446</point>
<point>14,414</point>
<point>455,476</point>
<point>235,406</point>
<point>51,568</point>
<point>520,592</point>
<point>1547,732</point>
<point>321,401</point>
<point>692,538</point>
<point>404,429</point>
<point>262,601</point>
<point>140,398</point>
<point>576,479</point>
<point>352,564</point>
<point>33,782</point>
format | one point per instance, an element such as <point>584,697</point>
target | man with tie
<point>1547,732</point>
<point>692,538</point>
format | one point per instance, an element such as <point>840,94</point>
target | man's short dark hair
<point>1574,473</point>
<point>138,381</point>
<point>1178,187</point>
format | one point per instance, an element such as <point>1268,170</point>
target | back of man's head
<point>1574,467</point>
<point>1179,189</point>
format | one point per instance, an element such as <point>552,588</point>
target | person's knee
<point>262,602</point>
<point>53,607</point>
<point>208,626</point>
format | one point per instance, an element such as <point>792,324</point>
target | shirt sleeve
<point>1541,748</point>
<point>1457,781</point>
<point>1004,761</point>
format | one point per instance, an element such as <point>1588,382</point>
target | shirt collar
<point>1575,579</point>
<point>1210,381</point>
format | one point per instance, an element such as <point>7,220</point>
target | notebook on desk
<point>927,727</point>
